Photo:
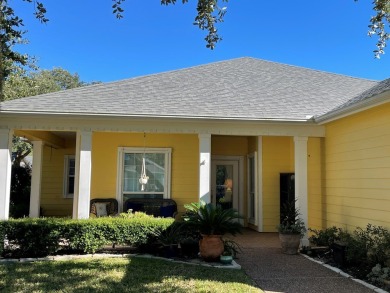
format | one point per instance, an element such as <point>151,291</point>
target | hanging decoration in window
<point>143,180</point>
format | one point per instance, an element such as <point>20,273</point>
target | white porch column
<point>82,189</point>
<point>5,171</point>
<point>259,184</point>
<point>300,149</point>
<point>36,175</point>
<point>204,167</point>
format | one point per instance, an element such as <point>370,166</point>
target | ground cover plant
<point>364,253</point>
<point>120,275</point>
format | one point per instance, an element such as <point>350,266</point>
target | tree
<point>378,24</point>
<point>22,83</point>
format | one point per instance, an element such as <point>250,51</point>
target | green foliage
<point>378,24</point>
<point>231,247</point>
<point>212,219</point>
<point>364,247</point>
<point>379,275</point>
<point>21,83</point>
<point>324,237</point>
<point>374,241</point>
<point>20,190</point>
<point>291,223</point>
<point>44,236</point>
<point>171,235</point>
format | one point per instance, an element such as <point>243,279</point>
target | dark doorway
<point>287,189</point>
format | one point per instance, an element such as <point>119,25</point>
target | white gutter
<point>307,119</point>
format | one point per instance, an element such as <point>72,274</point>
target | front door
<point>225,183</point>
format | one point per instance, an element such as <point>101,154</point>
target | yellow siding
<point>314,174</point>
<point>357,155</point>
<point>185,156</point>
<point>278,157</point>
<point>52,201</point>
<point>229,145</point>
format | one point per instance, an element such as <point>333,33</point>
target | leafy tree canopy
<point>22,83</point>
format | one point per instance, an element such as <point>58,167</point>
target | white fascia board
<point>354,108</point>
<point>162,125</point>
<point>84,115</point>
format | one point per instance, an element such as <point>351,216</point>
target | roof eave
<point>360,106</point>
<point>150,116</point>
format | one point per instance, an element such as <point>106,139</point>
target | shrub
<point>324,237</point>
<point>379,275</point>
<point>375,242</point>
<point>44,236</point>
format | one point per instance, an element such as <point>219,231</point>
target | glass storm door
<point>224,183</point>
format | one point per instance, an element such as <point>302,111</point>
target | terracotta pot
<point>290,243</point>
<point>211,247</point>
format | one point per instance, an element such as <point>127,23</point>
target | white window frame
<point>67,159</point>
<point>120,170</point>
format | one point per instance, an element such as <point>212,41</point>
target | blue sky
<point>84,37</point>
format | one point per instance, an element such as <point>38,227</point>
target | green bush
<point>44,236</point>
<point>375,242</point>
<point>324,237</point>
<point>368,247</point>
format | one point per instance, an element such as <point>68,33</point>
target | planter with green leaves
<point>212,222</point>
<point>230,251</point>
<point>291,228</point>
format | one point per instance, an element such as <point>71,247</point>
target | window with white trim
<point>157,167</point>
<point>69,175</point>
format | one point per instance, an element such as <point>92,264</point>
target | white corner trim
<point>36,178</point>
<point>300,153</point>
<point>205,167</point>
<point>5,171</point>
<point>83,167</point>
<point>259,184</point>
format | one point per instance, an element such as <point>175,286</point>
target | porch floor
<point>274,271</point>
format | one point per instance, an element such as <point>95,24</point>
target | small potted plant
<point>212,221</point>
<point>291,228</point>
<point>230,251</point>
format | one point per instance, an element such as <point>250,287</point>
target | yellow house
<point>230,131</point>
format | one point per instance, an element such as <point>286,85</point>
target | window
<point>69,172</point>
<point>158,169</point>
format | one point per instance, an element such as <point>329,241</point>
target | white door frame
<point>240,162</point>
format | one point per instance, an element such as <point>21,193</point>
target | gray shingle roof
<point>243,88</point>
<point>377,89</point>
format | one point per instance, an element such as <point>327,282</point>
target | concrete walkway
<point>273,271</point>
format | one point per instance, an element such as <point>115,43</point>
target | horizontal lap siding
<point>315,182</point>
<point>184,165</point>
<point>358,169</point>
<point>53,202</point>
<point>278,157</point>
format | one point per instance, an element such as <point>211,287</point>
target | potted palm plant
<point>212,222</point>
<point>291,228</point>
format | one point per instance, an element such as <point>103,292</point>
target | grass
<point>120,275</point>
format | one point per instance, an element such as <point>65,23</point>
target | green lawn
<point>120,275</point>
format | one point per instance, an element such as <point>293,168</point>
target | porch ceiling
<point>54,138</point>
